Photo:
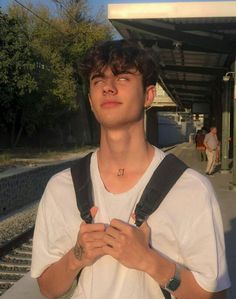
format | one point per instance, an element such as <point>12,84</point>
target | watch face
<point>173,284</point>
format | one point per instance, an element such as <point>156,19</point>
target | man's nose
<point>109,86</point>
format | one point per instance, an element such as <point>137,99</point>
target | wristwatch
<point>173,284</point>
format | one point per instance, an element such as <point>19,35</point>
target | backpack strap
<point>162,180</point>
<point>80,173</point>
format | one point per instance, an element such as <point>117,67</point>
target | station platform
<point>26,288</point>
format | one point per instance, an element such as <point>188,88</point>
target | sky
<point>94,4</point>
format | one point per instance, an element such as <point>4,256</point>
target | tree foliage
<point>39,80</point>
<point>16,73</point>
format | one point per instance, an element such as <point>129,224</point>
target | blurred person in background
<point>211,143</point>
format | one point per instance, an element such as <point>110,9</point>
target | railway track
<point>15,259</point>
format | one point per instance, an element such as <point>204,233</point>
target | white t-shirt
<point>186,228</point>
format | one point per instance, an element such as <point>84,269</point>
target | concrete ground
<point>26,288</point>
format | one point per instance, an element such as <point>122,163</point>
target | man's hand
<point>127,244</point>
<point>90,241</point>
<point>90,238</point>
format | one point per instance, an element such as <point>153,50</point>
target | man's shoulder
<point>195,190</point>
<point>191,195</point>
<point>60,179</point>
<point>197,178</point>
<point>59,191</point>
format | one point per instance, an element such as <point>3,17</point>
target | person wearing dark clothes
<point>199,141</point>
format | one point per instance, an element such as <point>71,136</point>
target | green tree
<point>16,75</point>
<point>54,44</point>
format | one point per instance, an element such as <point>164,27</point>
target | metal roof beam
<point>190,91</point>
<point>207,26</point>
<point>169,44</point>
<point>188,82</point>
<point>150,27</point>
<point>195,69</point>
<point>175,99</point>
<point>192,98</point>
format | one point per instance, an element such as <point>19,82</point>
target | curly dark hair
<point>120,56</point>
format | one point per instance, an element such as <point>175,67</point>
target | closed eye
<point>97,81</point>
<point>123,78</point>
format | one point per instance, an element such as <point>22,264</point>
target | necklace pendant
<point>120,172</point>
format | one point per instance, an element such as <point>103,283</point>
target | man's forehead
<point>107,70</point>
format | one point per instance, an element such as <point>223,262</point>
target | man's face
<point>214,130</point>
<point>119,100</point>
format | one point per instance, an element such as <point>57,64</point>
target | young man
<point>212,146</point>
<point>182,241</point>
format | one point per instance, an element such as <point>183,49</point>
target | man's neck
<point>123,157</point>
<point>124,150</point>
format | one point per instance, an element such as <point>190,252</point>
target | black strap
<point>80,173</point>
<point>166,294</point>
<point>162,180</point>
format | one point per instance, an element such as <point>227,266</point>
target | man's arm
<point>130,246</point>
<point>206,143</point>
<point>189,288</point>
<point>57,279</point>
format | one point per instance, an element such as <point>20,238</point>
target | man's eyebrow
<point>121,72</point>
<point>127,72</point>
<point>97,75</point>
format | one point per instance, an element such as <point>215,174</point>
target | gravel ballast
<point>17,223</point>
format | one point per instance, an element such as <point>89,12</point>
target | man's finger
<point>95,227</point>
<point>119,224</point>
<point>111,231</point>
<point>93,211</point>
<point>92,236</point>
<point>145,227</point>
<point>96,244</point>
<point>110,241</point>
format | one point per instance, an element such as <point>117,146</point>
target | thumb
<point>93,211</point>
<point>145,228</point>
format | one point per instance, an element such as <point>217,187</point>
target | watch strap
<point>173,284</point>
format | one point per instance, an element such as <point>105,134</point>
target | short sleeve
<point>203,246</point>
<point>49,234</point>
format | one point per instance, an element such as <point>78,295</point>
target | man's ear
<point>90,101</point>
<point>150,95</point>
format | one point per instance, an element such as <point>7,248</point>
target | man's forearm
<point>206,145</point>
<point>162,270</point>
<point>57,279</point>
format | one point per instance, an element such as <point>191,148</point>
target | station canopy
<point>195,43</point>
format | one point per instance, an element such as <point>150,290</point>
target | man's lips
<point>110,104</point>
